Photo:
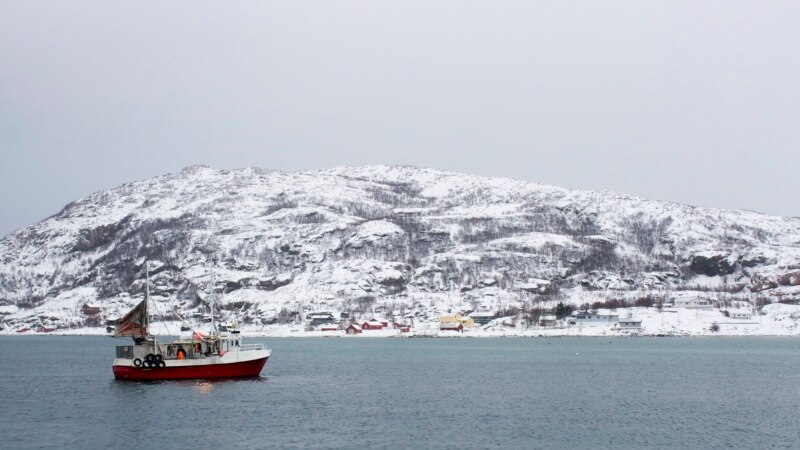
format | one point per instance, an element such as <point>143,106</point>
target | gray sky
<point>693,102</point>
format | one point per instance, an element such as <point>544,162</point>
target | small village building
<point>329,328</point>
<point>630,323</point>
<point>535,286</point>
<point>451,326</point>
<point>320,318</point>
<point>380,320</point>
<point>466,322</point>
<point>548,320</point>
<point>372,325</point>
<point>593,317</point>
<point>482,318</point>
<point>90,309</point>
<point>739,314</point>
<point>404,327</point>
<point>694,303</point>
<point>353,329</point>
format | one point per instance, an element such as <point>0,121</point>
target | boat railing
<point>251,347</point>
<point>124,352</point>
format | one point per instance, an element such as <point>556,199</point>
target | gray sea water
<point>58,392</point>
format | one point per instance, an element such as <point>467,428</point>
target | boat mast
<point>146,301</point>
<point>146,295</point>
<point>213,299</point>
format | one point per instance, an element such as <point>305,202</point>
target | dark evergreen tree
<point>563,310</point>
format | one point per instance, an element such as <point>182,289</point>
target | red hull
<point>229,370</point>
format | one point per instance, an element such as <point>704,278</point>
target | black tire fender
<point>137,362</point>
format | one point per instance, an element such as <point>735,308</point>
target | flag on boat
<point>134,323</point>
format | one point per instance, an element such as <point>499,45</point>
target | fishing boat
<point>216,354</point>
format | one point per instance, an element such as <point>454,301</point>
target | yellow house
<point>466,322</point>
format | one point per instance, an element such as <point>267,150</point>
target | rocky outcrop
<point>712,266</point>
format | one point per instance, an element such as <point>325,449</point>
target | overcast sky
<point>693,102</point>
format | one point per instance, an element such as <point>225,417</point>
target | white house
<point>593,317</point>
<point>548,320</point>
<point>741,314</point>
<point>629,323</point>
<point>694,303</point>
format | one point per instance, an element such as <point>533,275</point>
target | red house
<point>383,322</point>
<point>353,329</point>
<point>404,328</point>
<point>451,327</point>
<point>372,325</point>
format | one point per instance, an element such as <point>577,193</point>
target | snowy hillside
<point>381,239</point>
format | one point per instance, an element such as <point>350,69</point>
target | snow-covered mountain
<point>391,239</point>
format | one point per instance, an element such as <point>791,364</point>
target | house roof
<point>357,327</point>
<point>450,325</point>
<point>595,312</point>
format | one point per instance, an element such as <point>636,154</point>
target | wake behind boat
<point>214,355</point>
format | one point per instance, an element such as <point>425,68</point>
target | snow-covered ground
<point>774,320</point>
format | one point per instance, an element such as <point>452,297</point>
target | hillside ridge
<point>391,238</point>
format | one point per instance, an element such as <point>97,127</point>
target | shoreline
<point>466,335</point>
<point>775,320</point>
